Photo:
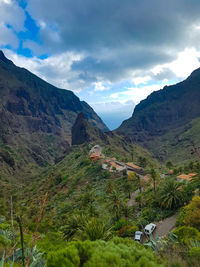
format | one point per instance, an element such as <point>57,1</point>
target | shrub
<point>4,241</point>
<point>127,231</point>
<point>117,252</point>
<point>119,224</point>
<point>194,254</point>
<point>192,213</point>
<point>65,179</point>
<point>187,233</point>
<point>51,242</point>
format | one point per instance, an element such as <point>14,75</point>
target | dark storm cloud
<point>116,36</point>
<point>119,63</point>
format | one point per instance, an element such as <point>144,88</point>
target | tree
<point>135,179</point>
<point>191,165</point>
<point>154,176</point>
<point>115,204</point>
<point>109,187</point>
<point>72,226</point>
<point>95,229</point>
<point>131,176</point>
<point>170,195</point>
<point>169,164</point>
<point>127,188</point>
<point>142,162</point>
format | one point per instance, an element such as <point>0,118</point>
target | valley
<point>73,193</point>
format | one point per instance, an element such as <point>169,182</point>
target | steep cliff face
<point>83,131</point>
<point>36,118</point>
<point>170,111</point>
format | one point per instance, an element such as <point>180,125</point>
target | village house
<point>170,172</point>
<point>132,167</point>
<point>186,177</point>
<point>112,165</point>
<point>95,156</point>
<point>96,150</point>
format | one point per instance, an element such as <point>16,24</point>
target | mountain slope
<point>161,120</point>
<point>83,131</point>
<point>36,119</point>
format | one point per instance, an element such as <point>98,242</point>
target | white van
<point>149,228</point>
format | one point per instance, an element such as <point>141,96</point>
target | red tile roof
<point>192,174</point>
<point>184,177</point>
<point>187,177</point>
<point>129,164</point>
<point>95,156</point>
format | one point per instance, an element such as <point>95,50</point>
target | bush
<point>119,224</point>
<point>192,213</point>
<point>117,252</point>
<point>65,179</point>
<point>128,231</point>
<point>5,226</point>
<point>194,254</point>
<point>51,242</point>
<point>4,241</point>
<point>186,234</point>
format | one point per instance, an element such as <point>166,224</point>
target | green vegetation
<point>117,252</point>
<point>85,219</point>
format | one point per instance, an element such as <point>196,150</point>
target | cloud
<point>114,106</point>
<point>112,40</point>
<point>117,37</point>
<point>114,112</point>
<point>181,67</point>
<point>100,86</point>
<point>10,24</point>
<point>11,14</point>
<point>136,94</point>
<point>55,69</point>
<point>7,36</point>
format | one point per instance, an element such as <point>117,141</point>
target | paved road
<point>166,225</point>
<point>163,227</point>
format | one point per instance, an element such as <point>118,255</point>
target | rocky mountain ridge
<point>161,121</point>
<point>36,118</point>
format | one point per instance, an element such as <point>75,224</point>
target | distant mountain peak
<point>37,117</point>
<point>83,131</point>
<point>168,120</point>
<point>4,58</point>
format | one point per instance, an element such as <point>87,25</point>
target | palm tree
<point>71,227</point>
<point>170,194</point>
<point>127,188</point>
<point>115,203</point>
<point>109,187</point>
<point>153,176</point>
<point>95,229</point>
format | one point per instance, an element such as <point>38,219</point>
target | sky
<point>110,53</point>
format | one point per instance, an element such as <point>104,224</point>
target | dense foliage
<point>117,252</point>
<point>90,216</point>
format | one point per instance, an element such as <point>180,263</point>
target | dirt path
<point>131,202</point>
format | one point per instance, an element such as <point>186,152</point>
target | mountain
<point>167,122</point>
<point>36,120</point>
<point>83,131</point>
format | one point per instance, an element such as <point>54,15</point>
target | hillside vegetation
<point>86,220</point>
<point>167,121</point>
